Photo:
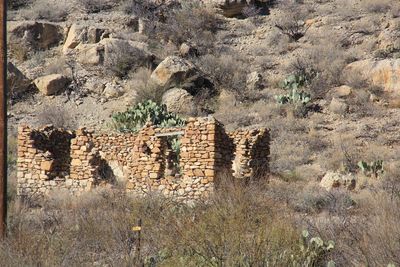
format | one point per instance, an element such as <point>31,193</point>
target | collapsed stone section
<point>77,161</point>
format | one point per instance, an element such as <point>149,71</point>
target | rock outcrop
<point>383,73</point>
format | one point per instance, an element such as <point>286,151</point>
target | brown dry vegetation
<point>257,225</point>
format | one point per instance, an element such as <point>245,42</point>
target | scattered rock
<point>333,180</point>
<point>338,106</point>
<point>178,101</point>
<point>95,85</point>
<point>51,84</point>
<point>36,35</point>
<point>187,50</point>
<point>254,81</point>
<point>17,82</point>
<point>113,90</point>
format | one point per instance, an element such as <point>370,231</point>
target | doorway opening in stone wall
<point>171,153</point>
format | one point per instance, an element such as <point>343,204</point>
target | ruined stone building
<point>50,158</point>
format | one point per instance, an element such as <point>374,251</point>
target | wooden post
<point>138,229</point>
<point>3,123</point>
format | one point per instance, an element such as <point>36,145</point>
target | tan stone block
<point>32,150</point>
<point>209,173</point>
<point>46,165</point>
<point>198,172</point>
<point>76,162</point>
<point>153,175</point>
<point>130,185</point>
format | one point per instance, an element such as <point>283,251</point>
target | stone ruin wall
<point>80,160</point>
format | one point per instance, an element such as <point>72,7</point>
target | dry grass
<point>257,225</point>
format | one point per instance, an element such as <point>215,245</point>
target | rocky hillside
<point>322,75</point>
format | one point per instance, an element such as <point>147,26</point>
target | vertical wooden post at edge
<point>3,123</point>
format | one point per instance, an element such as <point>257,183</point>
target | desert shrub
<point>136,117</point>
<point>57,116</point>
<point>144,89</point>
<point>377,6</point>
<point>18,50</point>
<point>291,21</point>
<point>95,6</point>
<point>322,66</point>
<point>191,23</point>
<point>289,148</point>
<point>226,72</point>
<point>16,4</point>
<point>251,11</point>
<point>123,58</point>
<point>376,232</point>
<point>39,9</point>
<point>237,225</point>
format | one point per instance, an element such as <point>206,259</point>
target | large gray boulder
<point>179,101</point>
<point>17,82</point>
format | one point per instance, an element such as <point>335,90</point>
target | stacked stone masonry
<point>50,158</point>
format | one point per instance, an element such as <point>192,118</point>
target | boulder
<point>51,84</point>
<point>383,73</point>
<point>254,81</point>
<point>338,106</point>
<point>17,82</point>
<point>178,101</point>
<point>90,54</point>
<point>36,35</point>
<point>333,180</point>
<point>174,71</point>
<point>76,35</point>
